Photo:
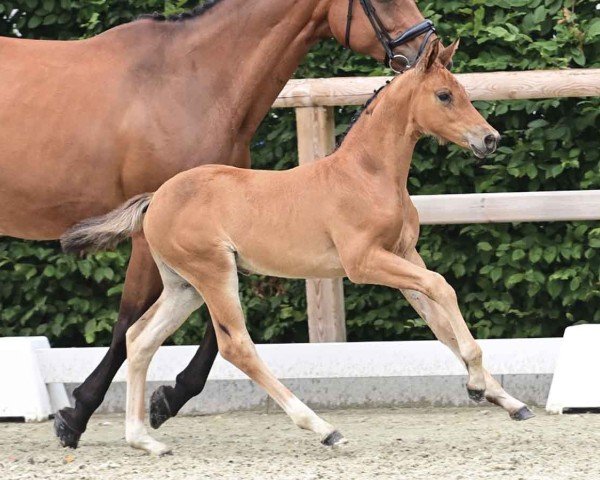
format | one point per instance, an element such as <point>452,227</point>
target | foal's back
<point>274,222</point>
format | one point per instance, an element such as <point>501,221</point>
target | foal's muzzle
<point>484,144</point>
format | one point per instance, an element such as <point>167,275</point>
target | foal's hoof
<point>333,439</point>
<point>151,446</point>
<point>159,407</point>
<point>476,395</point>
<point>67,436</point>
<point>522,413</point>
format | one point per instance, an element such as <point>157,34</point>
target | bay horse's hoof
<point>476,395</point>
<point>159,407</point>
<point>333,439</point>
<point>67,436</point>
<point>523,413</point>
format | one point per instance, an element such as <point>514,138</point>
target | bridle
<point>397,62</point>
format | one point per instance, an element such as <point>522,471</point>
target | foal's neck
<point>383,139</point>
<point>248,50</point>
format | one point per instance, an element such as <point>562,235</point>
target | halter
<point>397,62</point>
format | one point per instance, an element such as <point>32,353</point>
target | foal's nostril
<point>490,141</point>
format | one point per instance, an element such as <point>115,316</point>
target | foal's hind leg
<point>236,346</point>
<point>436,318</point>
<point>178,300</point>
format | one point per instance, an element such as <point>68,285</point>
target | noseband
<point>397,62</point>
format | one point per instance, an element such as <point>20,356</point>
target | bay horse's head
<point>441,107</point>
<point>391,31</point>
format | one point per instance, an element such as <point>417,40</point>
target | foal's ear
<point>429,56</point>
<point>445,56</point>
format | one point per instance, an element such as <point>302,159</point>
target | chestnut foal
<point>347,215</point>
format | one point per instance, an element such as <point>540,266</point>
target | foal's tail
<point>106,231</point>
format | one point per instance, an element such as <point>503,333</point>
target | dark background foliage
<point>513,280</point>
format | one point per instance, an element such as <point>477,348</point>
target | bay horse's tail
<point>106,231</point>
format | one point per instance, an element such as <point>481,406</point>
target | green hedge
<point>513,280</point>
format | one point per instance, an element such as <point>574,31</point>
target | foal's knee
<point>439,290</point>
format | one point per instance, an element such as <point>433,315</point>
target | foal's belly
<point>290,264</point>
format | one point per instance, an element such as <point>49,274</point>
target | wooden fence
<point>314,100</point>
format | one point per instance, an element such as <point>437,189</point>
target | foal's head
<point>440,105</point>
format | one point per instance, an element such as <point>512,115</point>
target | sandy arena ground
<point>408,443</point>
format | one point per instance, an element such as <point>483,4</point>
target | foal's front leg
<point>380,267</point>
<point>435,317</point>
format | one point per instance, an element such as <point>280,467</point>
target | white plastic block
<point>576,383</point>
<point>23,390</point>
<point>325,360</point>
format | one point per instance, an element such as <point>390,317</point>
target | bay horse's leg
<point>142,288</point>
<point>436,318</point>
<point>178,300</point>
<point>166,401</point>
<point>236,346</point>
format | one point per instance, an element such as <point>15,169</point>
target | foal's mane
<point>181,17</point>
<point>358,114</point>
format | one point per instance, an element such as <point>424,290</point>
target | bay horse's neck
<point>247,50</point>
<point>383,139</point>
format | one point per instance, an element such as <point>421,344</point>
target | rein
<point>397,62</point>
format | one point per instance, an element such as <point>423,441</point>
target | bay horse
<point>349,214</point>
<point>87,124</point>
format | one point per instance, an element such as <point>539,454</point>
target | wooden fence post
<point>324,297</point>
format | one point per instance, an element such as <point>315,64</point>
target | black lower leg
<point>166,401</point>
<point>69,422</point>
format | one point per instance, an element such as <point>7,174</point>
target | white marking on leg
<point>496,394</point>
<point>306,418</point>
<point>175,304</point>
<point>137,436</point>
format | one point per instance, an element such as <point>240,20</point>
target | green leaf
<point>34,22</point>
<point>518,254</point>
<point>484,246</point>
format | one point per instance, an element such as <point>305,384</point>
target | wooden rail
<point>314,100</point>
<point>508,207</point>
<point>480,86</point>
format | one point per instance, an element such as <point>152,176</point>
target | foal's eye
<point>444,97</point>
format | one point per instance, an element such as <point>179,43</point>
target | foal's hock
<point>349,214</point>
